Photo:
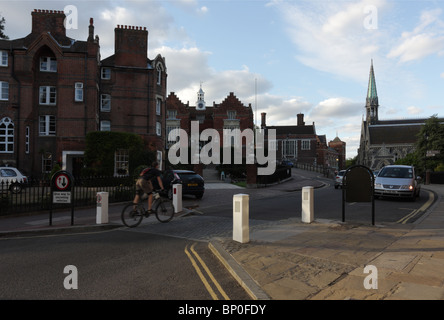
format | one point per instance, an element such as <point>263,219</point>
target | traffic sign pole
<point>62,191</point>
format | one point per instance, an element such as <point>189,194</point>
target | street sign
<point>432,153</point>
<point>62,181</point>
<point>61,197</point>
<point>62,184</point>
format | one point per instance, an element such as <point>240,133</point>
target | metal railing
<point>35,195</point>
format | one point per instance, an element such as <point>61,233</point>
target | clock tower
<point>200,104</point>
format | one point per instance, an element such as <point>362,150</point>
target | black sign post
<point>62,191</point>
<point>358,185</point>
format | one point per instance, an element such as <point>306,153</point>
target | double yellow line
<point>412,214</point>
<point>208,272</point>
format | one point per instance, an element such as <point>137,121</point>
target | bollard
<point>307,204</point>
<point>177,197</point>
<point>241,228</point>
<point>102,207</point>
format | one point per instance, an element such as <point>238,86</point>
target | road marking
<point>415,212</point>
<point>201,275</point>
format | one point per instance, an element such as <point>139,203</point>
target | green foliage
<point>410,160</point>
<point>102,145</point>
<point>2,28</point>
<point>351,161</point>
<point>430,138</point>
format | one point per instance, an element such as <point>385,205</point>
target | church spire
<point>371,103</point>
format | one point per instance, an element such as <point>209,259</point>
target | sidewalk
<point>323,260</point>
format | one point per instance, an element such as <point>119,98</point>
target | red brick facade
<point>228,114</point>
<point>53,90</point>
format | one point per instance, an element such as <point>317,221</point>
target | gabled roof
<point>293,130</point>
<point>394,134</point>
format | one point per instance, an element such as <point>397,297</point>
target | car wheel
<point>199,196</point>
<point>16,188</point>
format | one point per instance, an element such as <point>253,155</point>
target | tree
<point>101,147</point>
<point>430,139</point>
<point>2,28</point>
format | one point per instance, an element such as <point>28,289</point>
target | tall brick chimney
<point>263,120</point>
<point>49,21</point>
<point>130,46</point>
<point>301,119</point>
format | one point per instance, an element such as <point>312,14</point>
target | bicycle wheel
<point>164,210</point>
<point>132,217</point>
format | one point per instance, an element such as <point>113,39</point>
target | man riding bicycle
<point>144,184</point>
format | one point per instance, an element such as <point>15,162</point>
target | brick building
<point>300,144</point>
<point>55,89</point>
<point>231,113</point>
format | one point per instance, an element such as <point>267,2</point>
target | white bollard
<point>102,207</point>
<point>241,229</point>
<point>307,204</point>
<point>177,197</point>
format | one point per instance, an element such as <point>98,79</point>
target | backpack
<point>146,174</point>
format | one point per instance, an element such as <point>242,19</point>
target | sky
<point>282,57</point>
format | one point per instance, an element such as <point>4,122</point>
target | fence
<point>328,172</point>
<point>279,175</point>
<point>36,194</point>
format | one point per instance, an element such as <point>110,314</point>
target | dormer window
<point>48,64</point>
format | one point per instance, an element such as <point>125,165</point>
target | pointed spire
<point>371,103</point>
<point>372,95</point>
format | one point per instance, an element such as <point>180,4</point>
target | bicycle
<point>133,214</point>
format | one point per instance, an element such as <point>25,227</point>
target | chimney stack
<point>91,30</point>
<point>131,46</point>
<point>263,116</point>
<point>301,119</point>
<point>48,21</point>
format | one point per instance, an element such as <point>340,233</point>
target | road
<point>164,261</point>
<point>117,264</point>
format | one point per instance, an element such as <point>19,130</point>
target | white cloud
<point>427,38</point>
<point>412,110</point>
<point>331,36</point>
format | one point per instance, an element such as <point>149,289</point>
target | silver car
<point>397,181</point>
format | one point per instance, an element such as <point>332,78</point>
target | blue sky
<point>283,57</point>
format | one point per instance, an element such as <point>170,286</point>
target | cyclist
<point>144,184</point>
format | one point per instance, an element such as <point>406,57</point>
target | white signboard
<point>61,197</point>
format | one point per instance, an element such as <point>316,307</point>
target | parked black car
<point>192,183</point>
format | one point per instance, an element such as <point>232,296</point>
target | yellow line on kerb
<point>416,211</point>
<point>201,275</point>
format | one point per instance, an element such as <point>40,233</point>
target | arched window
<point>6,135</point>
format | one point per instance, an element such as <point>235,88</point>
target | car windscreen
<point>396,173</point>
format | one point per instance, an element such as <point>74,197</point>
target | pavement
<point>293,260</point>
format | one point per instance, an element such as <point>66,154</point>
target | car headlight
<point>378,185</point>
<point>407,187</point>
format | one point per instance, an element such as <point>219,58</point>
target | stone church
<point>384,141</point>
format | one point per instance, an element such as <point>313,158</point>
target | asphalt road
<point>327,205</point>
<point>117,265</point>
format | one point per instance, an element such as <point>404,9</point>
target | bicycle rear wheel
<point>164,210</point>
<point>132,217</point>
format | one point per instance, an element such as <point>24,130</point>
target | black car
<point>192,183</point>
